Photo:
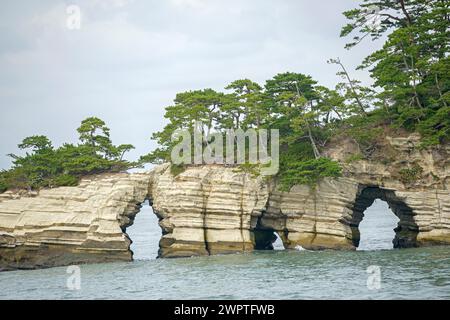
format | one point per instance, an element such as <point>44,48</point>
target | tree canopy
<point>46,166</point>
<point>412,67</point>
<point>410,92</point>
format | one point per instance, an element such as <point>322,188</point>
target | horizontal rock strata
<point>213,209</point>
<point>207,210</point>
<point>71,224</point>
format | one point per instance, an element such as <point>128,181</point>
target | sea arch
<point>406,231</point>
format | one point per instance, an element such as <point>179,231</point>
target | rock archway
<point>72,225</point>
<point>265,235</point>
<point>209,210</point>
<point>407,230</point>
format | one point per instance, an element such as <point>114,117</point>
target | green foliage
<point>38,144</point>
<point>436,129</point>
<point>410,175</point>
<point>14,179</point>
<point>46,166</point>
<point>252,169</point>
<point>66,180</point>
<point>356,97</point>
<point>365,131</point>
<point>176,169</point>
<point>246,98</point>
<point>393,14</point>
<point>308,172</point>
<point>412,68</point>
<point>3,183</point>
<point>303,111</point>
<point>411,91</point>
<point>189,107</point>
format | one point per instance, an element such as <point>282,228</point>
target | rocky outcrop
<point>214,209</point>
<point>207,210</point>
<point>71,224</point>
<point>414,181</point>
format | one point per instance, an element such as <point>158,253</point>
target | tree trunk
<point>439,89</point>
<point>405,12</point>
<point>313,144</point>
<point>363,111</point>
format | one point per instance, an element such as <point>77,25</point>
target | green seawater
<point>419,273</point>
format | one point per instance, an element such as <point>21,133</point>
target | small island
<point>234,169</point>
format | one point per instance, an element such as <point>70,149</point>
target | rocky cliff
<point>71,225</point>
<point>214,209</point>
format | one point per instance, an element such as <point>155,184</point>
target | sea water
<point>418,273</point>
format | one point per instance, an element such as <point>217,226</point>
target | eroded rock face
<point>415,183</point>
<point>207,210</point>
<point>214,209</point>
<point>71,225</point>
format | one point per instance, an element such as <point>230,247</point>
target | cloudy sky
<point>129,58</point>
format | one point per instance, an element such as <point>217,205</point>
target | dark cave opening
<point>264,239</point>
<point>267,239</point>
<point>406,230</point>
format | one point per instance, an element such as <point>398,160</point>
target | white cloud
<point>111,3</point>
<point>190,3</point>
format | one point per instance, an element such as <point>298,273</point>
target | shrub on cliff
<point>46,166</point>
<point>294,103</point>
<point>3,185</point>
<point>308,172</point>
<point>411,91</point>
<point>412,67</point>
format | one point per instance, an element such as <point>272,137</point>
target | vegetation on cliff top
<point>410,91</point>
<point>46,166</point>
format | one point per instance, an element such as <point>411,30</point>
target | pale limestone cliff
<point>213,209</point>
<point>207,210</point>
<point>71,224</point>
